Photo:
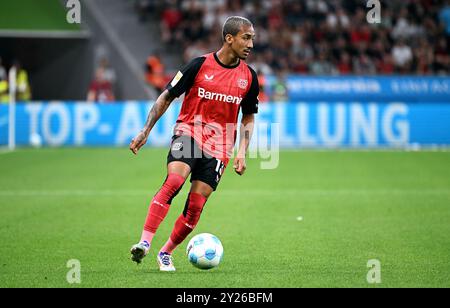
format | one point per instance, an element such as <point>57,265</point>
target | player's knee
<point>174,181</point>
<point>194,207</point>
<point>172,185</point>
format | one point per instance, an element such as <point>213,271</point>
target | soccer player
<point>216,86</point>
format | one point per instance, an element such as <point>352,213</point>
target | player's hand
<point>138,142</point>
<point>239,165</point>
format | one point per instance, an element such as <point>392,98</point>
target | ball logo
<point>242,83</point>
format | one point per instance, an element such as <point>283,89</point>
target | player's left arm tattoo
<point>246,132</point>
<point>159,108</point>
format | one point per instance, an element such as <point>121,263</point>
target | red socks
<point>160,206</point>
<point>161,202</point>
<point>189,219</point>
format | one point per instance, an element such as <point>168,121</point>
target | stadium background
<point>329,79</point>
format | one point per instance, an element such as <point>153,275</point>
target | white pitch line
<point>2,152</point>
<point>234,192</point>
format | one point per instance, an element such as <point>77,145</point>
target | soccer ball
<point>205,251</point>
<point>35,140</point>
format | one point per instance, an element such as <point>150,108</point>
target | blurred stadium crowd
<point>316,37</point>
<point>23,88</point>
<point>313,37</point>
<point>101,87</point>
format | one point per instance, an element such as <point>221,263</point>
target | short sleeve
<point>184,79</point>
<point>250,102</point>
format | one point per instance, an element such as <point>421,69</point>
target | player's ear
<point>229,38</point>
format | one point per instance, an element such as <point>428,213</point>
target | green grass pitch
<point>90,205</point>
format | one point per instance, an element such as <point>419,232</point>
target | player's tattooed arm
<point>159,108</point>
<point>246,132</point>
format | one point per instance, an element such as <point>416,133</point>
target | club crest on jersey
<point>242,83</point>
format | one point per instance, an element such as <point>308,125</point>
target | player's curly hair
<point>233,25</point>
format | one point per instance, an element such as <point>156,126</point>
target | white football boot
<point>165,262</point>
<point>139,251</point>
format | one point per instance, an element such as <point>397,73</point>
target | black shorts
<point>204,167</point>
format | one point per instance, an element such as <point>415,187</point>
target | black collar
<point>223,65</point>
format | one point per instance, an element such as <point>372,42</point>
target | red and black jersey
<point>214,95</point>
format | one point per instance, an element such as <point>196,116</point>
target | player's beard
<point>244,55</point>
